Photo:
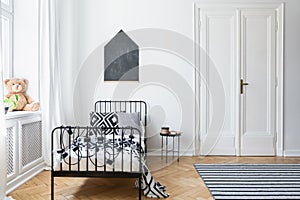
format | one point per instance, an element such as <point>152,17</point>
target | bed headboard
<point>125,106</point>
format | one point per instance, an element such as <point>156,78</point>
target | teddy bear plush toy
<point>16,86</point>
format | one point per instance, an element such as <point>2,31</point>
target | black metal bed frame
<point>71,133</point>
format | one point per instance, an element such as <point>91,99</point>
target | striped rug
<point>251,181</point>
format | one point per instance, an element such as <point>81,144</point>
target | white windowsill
<point>18,114</point>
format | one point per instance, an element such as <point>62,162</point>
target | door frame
<point>279,6</point>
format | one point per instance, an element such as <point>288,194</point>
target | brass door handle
<point>242,86</point>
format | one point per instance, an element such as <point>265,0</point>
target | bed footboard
<point>88,152</point>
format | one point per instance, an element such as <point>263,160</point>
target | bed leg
<point>52,187</point>
<point>140,188</point>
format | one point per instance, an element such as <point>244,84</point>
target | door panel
<point>258,70</point>
<point>218,59</point>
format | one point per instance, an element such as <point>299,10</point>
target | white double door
<point>238,81</point>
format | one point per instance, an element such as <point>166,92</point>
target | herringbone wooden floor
<point>181,178</point>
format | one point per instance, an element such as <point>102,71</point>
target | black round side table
<point>165,144</point>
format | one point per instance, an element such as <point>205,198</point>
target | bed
<point>112,146</point>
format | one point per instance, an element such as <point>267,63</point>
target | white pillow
<point>132,120</point>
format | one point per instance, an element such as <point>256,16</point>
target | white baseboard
<point>157,152</point>
<point>292,153</point>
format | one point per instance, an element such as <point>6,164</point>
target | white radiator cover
<point>31,143</point>
<point>25,157</point>
<point>10,151</point>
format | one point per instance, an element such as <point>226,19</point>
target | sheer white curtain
<point>3,170</point>
<point>2,137</point>
<point>2,130</point>
<point>3,166</point>
<point>51,101</point>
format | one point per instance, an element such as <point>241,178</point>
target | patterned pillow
<point>105,120</point>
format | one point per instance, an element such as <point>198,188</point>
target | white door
<point>258,64</point>
<point>218,68</point>
<point>237,44</point>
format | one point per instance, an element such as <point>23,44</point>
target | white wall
<point>25,42</point>
<point>167,77</point>
<point>292,79</point>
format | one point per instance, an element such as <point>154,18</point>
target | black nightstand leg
<point>166,149</point>
<point>178,148</point>
<point>173,148</point>
<point>162,148</point>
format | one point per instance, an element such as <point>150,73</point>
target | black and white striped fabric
<point>150,187</point>
<point>251,181</point>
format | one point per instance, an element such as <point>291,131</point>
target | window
<point>7,34</point>
<point>5,2</point>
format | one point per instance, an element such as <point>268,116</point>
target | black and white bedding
<point>94,149</point>
<point>113,142</point>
